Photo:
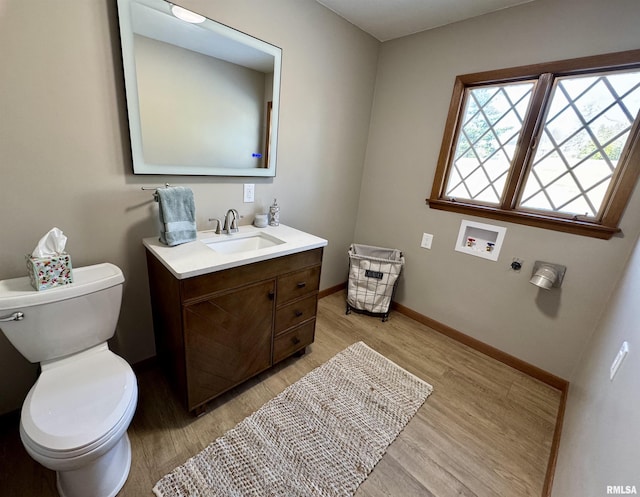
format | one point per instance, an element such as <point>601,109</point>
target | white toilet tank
<point>63,320</point>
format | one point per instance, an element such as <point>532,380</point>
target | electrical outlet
<point>249,192</point>
<point>427,239</point>
<point>622,353</point>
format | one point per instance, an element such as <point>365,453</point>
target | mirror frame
<point>140,166</point>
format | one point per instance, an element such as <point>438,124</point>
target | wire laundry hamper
<point>373,277</point>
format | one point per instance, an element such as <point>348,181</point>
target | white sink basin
<point>241,242</point>
<point>210,252</point>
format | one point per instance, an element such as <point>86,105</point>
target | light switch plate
<point>249,192</point>
<point>426,241</point>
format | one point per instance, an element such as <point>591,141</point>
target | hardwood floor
<point>486,430</point>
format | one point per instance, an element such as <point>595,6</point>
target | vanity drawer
<point>294,285</point>
<point>286,344</point>
<point>295,313</point>
<point>199,287</point>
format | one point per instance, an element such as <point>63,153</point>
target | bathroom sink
<point>241,242</point>
<point>210,252</point>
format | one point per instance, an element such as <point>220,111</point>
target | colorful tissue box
<point>49,272</point>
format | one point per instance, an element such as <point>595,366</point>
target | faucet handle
<point>218,224</point>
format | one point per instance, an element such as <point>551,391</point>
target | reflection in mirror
<point>202,98</point>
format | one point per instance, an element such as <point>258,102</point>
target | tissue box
<point>49,272</point>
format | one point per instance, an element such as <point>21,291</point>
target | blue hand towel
<point>177,215</point>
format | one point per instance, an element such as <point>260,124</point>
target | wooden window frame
<point>622,183</point>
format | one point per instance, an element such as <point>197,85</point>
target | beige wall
<point>65,159</point>
<point>600,443</point>
<point>482,298</point>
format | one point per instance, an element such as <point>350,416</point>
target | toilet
<point>74,419</point>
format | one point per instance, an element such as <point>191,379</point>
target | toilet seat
<point>78,404</point>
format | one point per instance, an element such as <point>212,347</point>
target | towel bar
<point>155,194</point>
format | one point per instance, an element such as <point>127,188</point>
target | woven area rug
<point>321,436</point>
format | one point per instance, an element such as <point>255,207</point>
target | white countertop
<point>195,258</point>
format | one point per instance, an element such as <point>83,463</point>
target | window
<point>554,145</point>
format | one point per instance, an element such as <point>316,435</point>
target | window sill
<point>576,227</point>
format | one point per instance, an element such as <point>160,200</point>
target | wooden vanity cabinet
<point>217,330</point>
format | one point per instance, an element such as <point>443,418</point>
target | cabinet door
<point>227,340</point>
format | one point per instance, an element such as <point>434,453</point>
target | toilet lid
<point>78,402</point>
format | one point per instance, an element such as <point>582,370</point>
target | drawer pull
<point>299,313</point>
<point>302,284</point>
<point>295,340</point>
<point>271,294</point>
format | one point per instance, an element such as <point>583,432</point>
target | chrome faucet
<point>231,226</point>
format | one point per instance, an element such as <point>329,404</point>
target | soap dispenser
<point>274,214</point>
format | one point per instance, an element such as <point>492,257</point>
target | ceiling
<point>389,19</point>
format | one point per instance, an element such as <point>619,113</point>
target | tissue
<point>49,265</point>
<point>51,244</point>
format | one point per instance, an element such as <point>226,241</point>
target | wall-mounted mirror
<point>202,98</point>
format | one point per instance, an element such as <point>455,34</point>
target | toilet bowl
<point>74,419</point>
